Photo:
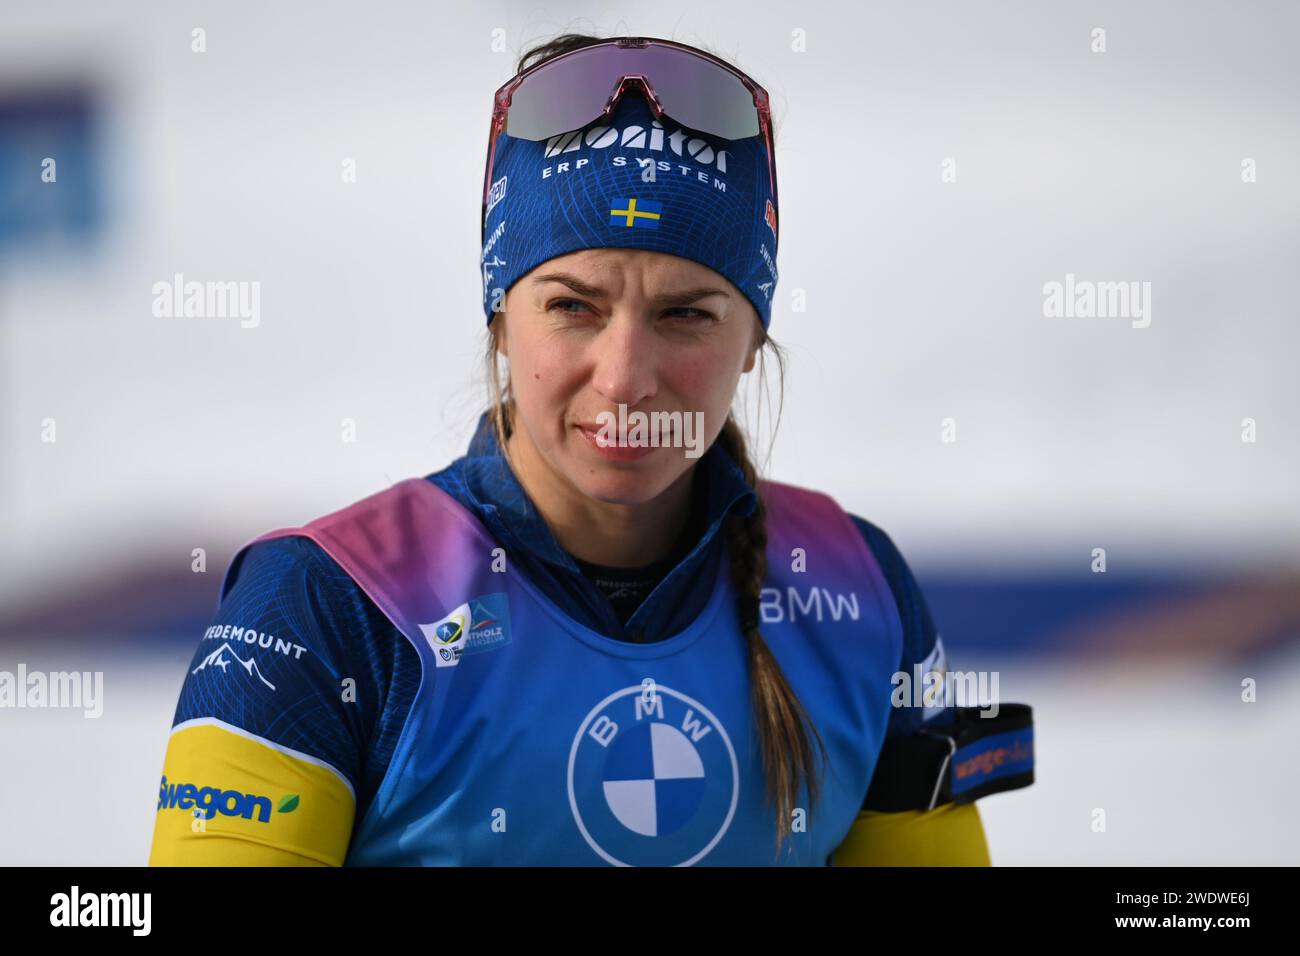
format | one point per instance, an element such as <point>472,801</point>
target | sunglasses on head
<point>575,88</point>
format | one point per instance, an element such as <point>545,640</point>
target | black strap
<point>967,758</point>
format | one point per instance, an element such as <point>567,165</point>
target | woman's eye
<point>564,302</point>
<point>698,313</point>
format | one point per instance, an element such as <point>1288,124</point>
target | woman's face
<point>594,329</point>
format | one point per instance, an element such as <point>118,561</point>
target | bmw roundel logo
<point>653,778</point>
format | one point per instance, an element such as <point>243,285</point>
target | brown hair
<point>783,723</point>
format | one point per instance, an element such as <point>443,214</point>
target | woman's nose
<point>625,361</point>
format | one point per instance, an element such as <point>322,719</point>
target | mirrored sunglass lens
<point>700,94</point>
<point>562,96</point>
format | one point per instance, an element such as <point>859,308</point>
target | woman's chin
<point>619,485</point>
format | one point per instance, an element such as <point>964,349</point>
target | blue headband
<point>710,201</point>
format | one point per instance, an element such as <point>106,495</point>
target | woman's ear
<point>499,333</point>
<point>755,343</point>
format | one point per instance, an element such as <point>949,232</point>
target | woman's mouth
<point>612,451</point>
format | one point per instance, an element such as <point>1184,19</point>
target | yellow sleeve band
<point>949,835</point>
<point>230,798</point>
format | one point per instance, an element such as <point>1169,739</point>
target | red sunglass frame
<point>504,94</point>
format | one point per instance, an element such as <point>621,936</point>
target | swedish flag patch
<point>637,214</point>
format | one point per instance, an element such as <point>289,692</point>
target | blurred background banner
<point>1063,380</point>
<point>53,118</point>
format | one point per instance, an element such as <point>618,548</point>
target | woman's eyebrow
<point>573,282</point>
<point>582,288</point>
<point>690,295</point>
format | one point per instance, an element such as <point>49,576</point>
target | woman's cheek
<point>554,370</point>
<point>697,382</point>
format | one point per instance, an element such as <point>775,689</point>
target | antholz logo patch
<point>480,624</point>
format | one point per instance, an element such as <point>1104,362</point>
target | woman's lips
<point>612,452</point>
